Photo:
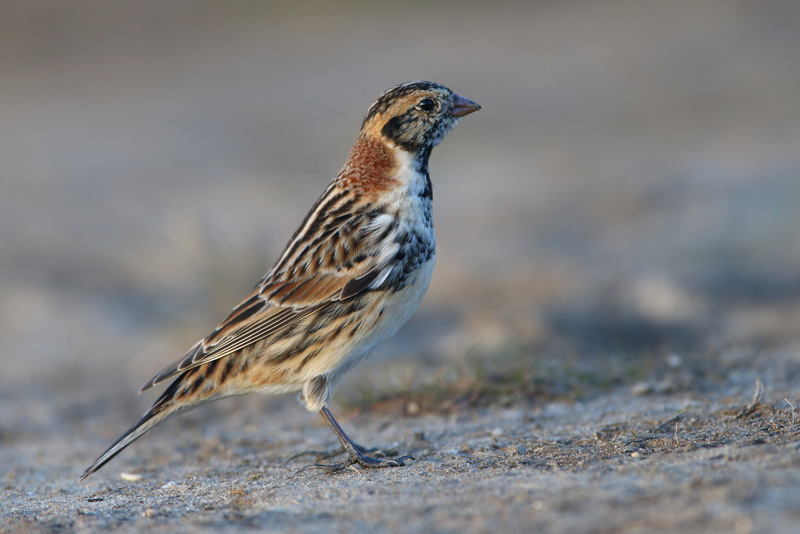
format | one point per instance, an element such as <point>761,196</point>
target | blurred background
<point>626,203</point>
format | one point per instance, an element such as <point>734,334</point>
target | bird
<point>352,274</point>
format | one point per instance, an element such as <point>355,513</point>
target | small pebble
<point>674,361</point>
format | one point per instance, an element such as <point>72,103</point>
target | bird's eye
<point>426,104</point>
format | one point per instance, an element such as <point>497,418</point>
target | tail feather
<point>148,421</point>
<point>164,408</point>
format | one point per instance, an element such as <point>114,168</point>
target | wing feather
<point>292,290</point>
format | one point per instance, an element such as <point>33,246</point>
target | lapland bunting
<point>353,273</point>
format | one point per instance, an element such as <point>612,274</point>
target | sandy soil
<point>617,267</point>
<point>621,462</point>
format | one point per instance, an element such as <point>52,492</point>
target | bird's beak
<point>462,106</point>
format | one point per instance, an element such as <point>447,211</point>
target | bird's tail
<point>164,408</point>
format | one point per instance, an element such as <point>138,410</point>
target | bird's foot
<point>359,458</point>
<point>356,454</point>
<point>327,455</point>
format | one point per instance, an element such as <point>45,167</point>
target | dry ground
<point>621,462</point>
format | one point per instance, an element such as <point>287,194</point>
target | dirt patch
<point>626,460</point>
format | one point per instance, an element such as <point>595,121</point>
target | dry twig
<point>753,406</point>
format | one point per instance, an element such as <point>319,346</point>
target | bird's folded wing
<point>280,301</point>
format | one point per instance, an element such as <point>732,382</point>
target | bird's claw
<point>366,462</point>
<point>327,455</point>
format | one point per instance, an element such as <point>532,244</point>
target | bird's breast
<point>414,238</point>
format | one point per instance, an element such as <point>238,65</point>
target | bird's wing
<point>340,259</point>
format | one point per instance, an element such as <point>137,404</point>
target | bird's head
<point>416,116</point>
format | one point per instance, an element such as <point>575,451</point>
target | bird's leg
<point>318,388</point>
<point>356,453</point>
